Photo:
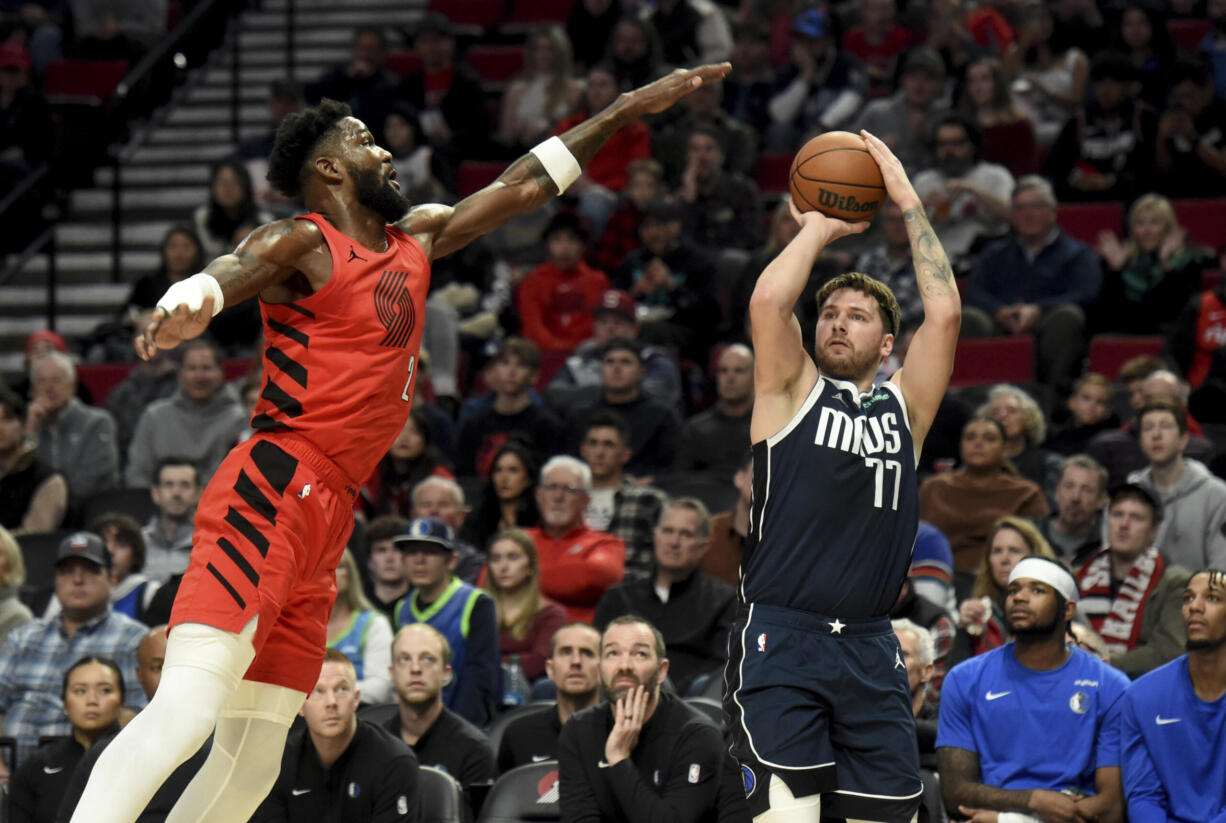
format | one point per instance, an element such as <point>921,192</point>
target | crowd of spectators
<point>578,450</point>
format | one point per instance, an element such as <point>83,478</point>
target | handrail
<point>35,246</point>
<point>27,183</point>
<point>158,53</point>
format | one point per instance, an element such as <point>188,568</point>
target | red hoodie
<point>555,307</point>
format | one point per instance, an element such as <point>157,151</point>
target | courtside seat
<point>526,793</point>
<point>994,360</point>
<point>135,503</point>
<point>1108,352</point>
<point>1203,220</point>
<point>1085,221</point>
<point>441,797</point>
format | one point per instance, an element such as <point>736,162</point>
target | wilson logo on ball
<point>848,203</point>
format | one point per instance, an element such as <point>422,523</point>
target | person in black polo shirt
<point>574,667</point>
<point>340,768</point>
<point>640,754</point>
<point>421,665</point>
<point>690,608</point>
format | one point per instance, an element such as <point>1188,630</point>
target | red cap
<point>46,336</point>
<point>616,301</point>
<point>14,55</point>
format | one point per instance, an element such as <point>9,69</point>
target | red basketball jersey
<point>339,366</point>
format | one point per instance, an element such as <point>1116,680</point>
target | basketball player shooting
<point>342,293</point>
<point>817,689</point>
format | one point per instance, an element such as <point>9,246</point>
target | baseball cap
<point>425,530</point>
<point>614,301</point>
<point>14,56</point>
<point>1146,494</point>
<point>810,23</point>
<point>48,336</point>
<point>84,544</point>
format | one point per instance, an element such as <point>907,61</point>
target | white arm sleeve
<point>785,105</point>
<point>376,683</point>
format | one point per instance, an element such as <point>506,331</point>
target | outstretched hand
<point>657,96</point>
<point>897,185</point>
<point>832,227</point>
<point>165,331</point>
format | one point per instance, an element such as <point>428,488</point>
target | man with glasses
<point>966,197</point>
<point>576,563</point>
<point>464,615</point>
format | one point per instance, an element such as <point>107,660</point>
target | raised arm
<point>269,255</point>
<point>783,371</point>
<point>526,184</point>
<point>925,373</point>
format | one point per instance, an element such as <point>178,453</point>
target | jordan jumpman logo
<point>353,255</point>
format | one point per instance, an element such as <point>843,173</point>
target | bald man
<point>716,440</point>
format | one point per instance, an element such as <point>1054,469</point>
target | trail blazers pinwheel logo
<point>394,308</point>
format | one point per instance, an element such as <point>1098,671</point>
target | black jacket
<point>453,745</point>
<point>163,799</point>
<point>40,782</point>
<point>672,776</point>
<point>530,738</point>
<point>374,781</point>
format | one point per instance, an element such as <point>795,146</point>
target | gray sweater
<point>201,432</point>
<point>1193,530</point>
<point>81,446</point>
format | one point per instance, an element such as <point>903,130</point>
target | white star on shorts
<point>837,627</point>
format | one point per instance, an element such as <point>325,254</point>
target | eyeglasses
<point>553,488</point>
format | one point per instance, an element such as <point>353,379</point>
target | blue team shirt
<point>1031,729</point>
<point>1173,748</point>
<point>835,505</point>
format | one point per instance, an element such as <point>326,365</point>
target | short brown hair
<point>1092,378</point>
<point>891,315</point>
<point>1181,416</point>
<point>384,528</point>
<point>338,656</point>
<point>1139,368</point>
<point>635,620</point>
<point>127,531</point>
<point>525,351</point>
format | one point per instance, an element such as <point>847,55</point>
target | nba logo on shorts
<point>695,771</point>
<point>354,789</point>
<point>1079,702</point>
<point>749,779</point>
<point>762,642</point>
<point>402,805</point>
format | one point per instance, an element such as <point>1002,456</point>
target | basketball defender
<point>816,686</point>
<point>342,293</point>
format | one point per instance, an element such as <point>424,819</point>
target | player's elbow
<point>768,303</point>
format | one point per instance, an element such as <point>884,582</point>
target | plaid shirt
<point>32,665</point>
<point>636,510</point>
<point>621,236</point>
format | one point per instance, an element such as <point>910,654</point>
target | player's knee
<point>787,808</point>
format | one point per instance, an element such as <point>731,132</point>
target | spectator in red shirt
<point>577,564</point>
<point>878,41</point>
<point>606,173</point>
<point>557,297</point>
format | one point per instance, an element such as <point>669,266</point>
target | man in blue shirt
<point>1038,281</point>
<point>1173,720</point>
<point>1018,738</point>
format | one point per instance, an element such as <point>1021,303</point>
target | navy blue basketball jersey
<point>835,505</point>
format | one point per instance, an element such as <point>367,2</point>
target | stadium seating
<point>1203,220</point>
<point>526,793</point>
<point>499,726</point>
<point>1109,352</point>
<point>994,360</point>
<point>496,64</point>
<point>1187,34</point>
<point>525,13</point>
<point>38,553</point>
<point>83,82</point>
<point>403,63</point>
<point>1084,221</point>
<point>710,707</point>
<point>474,175</point>
<point>471,16</point>
<point>772,173</point>
<point>717,493</point>
<point>441,797</point>
<point>136,503</point>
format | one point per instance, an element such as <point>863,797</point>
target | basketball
<point>834,174</point>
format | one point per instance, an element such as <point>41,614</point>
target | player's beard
<point>852,367</point>
<point>1206,645</point>
<point>1038,631</point>
<point>378,194</point>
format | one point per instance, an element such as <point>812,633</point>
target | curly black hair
<point>298,136</point>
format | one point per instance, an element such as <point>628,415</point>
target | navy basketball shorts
<point>823,704</point>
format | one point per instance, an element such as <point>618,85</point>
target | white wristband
<point>191,293</point>
<point>1015,817</point>
<point>559,163</point>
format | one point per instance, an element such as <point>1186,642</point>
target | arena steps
<point>165,169</point>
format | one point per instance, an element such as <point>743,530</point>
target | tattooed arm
<point>525,185</point>
<point>266,258</point>
<point>962,792</point>
<point>929,361</point>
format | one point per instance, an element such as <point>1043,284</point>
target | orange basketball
<point>834,173</point>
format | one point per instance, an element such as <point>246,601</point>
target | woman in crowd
<point>981,617</point>
<point>229,206</point>
<point>13,612</point>
<point>411,459</point>
<point>1151,275</point>
<point>1054,82</point>
<point>986,101</point>
<point>93,697</point>
<point>1143,36</point>
<point>544,94</point>
<point>509,496</point>
<point>423,174</point>
<point>361,632</point>
<point>526,618</point>
<point>182,256</point>
<point>1025,430</point>
<point>965,502</point>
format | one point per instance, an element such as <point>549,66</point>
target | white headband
<point>1053,574</point>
